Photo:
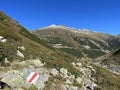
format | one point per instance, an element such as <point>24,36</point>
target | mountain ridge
<point>84,39</point>
<point>84,30</point>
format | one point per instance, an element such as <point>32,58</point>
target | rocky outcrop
<point>54,72</point>
<point>87,80</point>
<point>17,79</point>
<point>63,71</point>
<point>110,61</point>
<point>21,47</point>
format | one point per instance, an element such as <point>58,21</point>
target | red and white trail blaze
<point>32,78</point>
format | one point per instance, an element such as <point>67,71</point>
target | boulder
<point>72,77</point>
<point>68,81</point>
<point>73,88</point>
<point>13,79</point>
<point>37,63</point>
<point>19,54</point>
<point>2,39</point>
<point>79,80</point>
<point>90,85</point>
<point>6,61</point>
<point>17,79</point>
<point>73,64</point>
<point>63,71</point>
<point>54,72</point>
<point>79,64</point>
<point>20,89</point>
<point>63,87</point>
<point>21,47</point>
<point>92,69</point>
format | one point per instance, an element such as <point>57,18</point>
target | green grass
<point>86,42</point>
<point>106,80</point>
<point>33,37</point>
<point>60,60</point>
<point>8,34</point>
<point>73,52</point>
<point>93,53</point>
<point>57,40</point>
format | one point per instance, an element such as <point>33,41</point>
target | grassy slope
<point>17,35</point>
<point>106,80</point>
<point>68,38</point>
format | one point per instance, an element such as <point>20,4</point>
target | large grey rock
<point>6,61</point>
<point>21,47</point>
<point>37,63</point>
<point>73,64</point>
<point>18,79</point>
<point>79,64</point>
<point>63,87</point>
<point>73,88</point>
<point>63,71</point>
<point>68,81</point>
<point>20,54</point>
<point>54,72</point>
<point>79,80</point>
<point>90,85</point>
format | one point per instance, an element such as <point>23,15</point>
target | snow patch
<point>56,26</point>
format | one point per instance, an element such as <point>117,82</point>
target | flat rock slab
<point>15,78</point>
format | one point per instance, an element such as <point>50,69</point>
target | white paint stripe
<point>35,79</point>
<point>30,76</point>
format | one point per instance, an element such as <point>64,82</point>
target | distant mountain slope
<point>70,39</point>
<point>111,61</point>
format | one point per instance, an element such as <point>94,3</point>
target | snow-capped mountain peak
<point>57,26</point>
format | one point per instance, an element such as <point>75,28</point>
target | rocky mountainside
<point>110,61</point>
<point>23,53</point>
<point>75,41</point>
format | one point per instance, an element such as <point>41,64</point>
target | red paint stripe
<point>31,79</point>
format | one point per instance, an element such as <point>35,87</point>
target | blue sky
<point>97,15</point>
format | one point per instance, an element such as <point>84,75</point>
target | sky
<point>96,15</point>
